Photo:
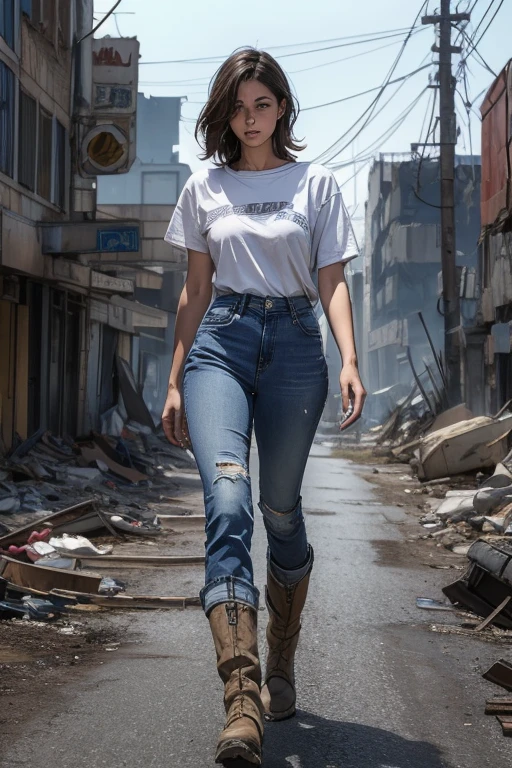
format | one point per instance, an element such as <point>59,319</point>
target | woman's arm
<point>194,300</point>
<point>335,300</point>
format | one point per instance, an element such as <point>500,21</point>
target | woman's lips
<point>251,134</point>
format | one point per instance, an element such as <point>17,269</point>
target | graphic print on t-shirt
<point>283,210</point>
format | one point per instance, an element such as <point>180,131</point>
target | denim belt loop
<point>291,306</point>
<point>242,304</point>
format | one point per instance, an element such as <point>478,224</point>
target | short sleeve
<point>184,229</point>
<point>332,240</point>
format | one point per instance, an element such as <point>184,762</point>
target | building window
<point>27,141</point>
<point>7,21</point>
<point>43,16</point>
<point>6,120</point>
<point>59,196</point>
<point>44,158</point>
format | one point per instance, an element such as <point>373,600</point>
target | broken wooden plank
<point>91,452</point>
<point>56,520</point>
<point>136,561</point>
<point>493,615</point>
<point>129,601</point>
<point>500,673</point>
<point>506,724</point>
<point>44,579</point>
<point>498,706</point>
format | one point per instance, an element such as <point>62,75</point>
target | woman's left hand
<point>353,391</point>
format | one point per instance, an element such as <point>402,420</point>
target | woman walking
<point>258,227</point>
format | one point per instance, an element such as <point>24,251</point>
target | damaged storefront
<point>69,116</point>
<point>496,213</point>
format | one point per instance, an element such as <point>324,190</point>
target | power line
<point>370,90</point>
<point>489,24</point>
<point>371,109</point>
<point>431,131</point>
<point>388,133</point>
<point>95,29</point>
<point>327,154</point>
<point>336,145</point>
<point>354,56</point>
<point>375,35</point>
<point>483,18</point>
<point>474,50</point>
<point>205,81</point>
<point>217,59</point>
<point>382,139</point>
<point>354,95</point>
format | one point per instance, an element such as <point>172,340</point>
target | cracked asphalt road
<point>376,688</point>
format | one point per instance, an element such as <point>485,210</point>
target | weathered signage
<point>107,144</point>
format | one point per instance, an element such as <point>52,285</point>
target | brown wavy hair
<point>213,131</point>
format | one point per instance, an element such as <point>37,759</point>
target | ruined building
<point>402,270</point>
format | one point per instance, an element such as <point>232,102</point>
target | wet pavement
<point>376,688</point>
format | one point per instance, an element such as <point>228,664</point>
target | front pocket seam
<point>315,332</point>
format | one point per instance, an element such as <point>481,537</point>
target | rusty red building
<point>496,238</point>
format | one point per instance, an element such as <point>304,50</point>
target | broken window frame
<point>27,140</point>
<point>59,164</point>
<point>7,119</point>
<point>45,154</point>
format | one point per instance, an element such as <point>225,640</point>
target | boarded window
<point>7,21</point>
<point>44,158</point>
<point>27,141</point>
<point>60,166</point>
<point>6,120</point>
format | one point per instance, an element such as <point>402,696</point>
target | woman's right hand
<point>173,419</point>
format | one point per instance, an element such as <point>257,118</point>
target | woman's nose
<point>249,117</point>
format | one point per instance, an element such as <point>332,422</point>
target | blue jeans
<point>254,361</point>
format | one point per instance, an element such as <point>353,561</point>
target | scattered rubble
<point>45,557</point>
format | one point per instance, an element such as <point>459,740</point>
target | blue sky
<point>201,29</point>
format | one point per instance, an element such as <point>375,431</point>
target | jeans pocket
<point>218,316</point>
<point>308,323</point>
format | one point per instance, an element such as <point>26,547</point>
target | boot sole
<point>235,748</point>
<point>278,716</point>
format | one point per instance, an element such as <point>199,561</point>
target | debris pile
<point>56,492</point>
<point>46,473</point>
<point>455,517</point>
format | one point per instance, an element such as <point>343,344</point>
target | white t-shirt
<point>266,231</point>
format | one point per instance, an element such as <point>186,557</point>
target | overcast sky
<point>200,28</point>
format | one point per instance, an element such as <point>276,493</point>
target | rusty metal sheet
<point>496,112</point>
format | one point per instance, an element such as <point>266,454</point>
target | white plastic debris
<point>78,545</point>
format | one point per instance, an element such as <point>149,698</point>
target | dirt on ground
<point>36,658</point>
<point>397,487</point>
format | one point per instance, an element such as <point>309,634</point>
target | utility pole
<point>448,140</point>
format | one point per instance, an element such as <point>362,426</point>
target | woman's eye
<point>263,105</point>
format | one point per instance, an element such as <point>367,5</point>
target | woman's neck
<point>258,159</point>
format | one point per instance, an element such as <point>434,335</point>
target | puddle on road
<point>12,656</point>
<point>395,553</point>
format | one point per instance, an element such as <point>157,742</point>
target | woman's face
<point>256,113</point>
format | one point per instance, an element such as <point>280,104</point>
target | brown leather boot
<point>233,628</point>
<point>285,604</point>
